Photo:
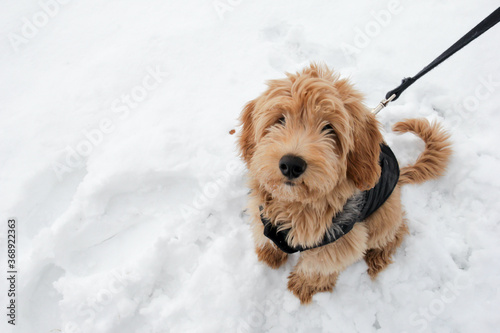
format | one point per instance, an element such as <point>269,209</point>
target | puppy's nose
<point>292,166</point>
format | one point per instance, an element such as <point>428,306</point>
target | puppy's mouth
<point>289,190</point>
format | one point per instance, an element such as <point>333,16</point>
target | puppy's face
<point>300,144</point>
<point>308,132</point>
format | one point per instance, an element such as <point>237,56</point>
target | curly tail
<point>434,159</point>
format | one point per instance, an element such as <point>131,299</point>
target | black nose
<point>292,166</point>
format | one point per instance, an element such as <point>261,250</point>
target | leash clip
<point>383,104</point>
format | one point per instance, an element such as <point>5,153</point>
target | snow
<point>117,162</point>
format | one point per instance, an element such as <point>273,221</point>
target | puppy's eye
<point>328,129</point>
<point>282,120</point>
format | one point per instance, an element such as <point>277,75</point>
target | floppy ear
<point>247,137</point>
<point>363,160</point>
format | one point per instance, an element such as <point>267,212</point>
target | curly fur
<point>289,118</point>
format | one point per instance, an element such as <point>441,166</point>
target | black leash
<point>477,31</point>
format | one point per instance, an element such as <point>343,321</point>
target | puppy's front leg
<point>271,255</point>
<point>266,251</point>
<point>318,269</point>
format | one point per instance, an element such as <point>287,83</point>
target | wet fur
<point>340,164</point>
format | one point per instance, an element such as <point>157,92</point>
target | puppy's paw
<point>300,288</point>
<point>377,260</point>
<point>272,256</point>
<point>304,287</point>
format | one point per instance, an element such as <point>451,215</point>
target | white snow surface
<point>117,163</point>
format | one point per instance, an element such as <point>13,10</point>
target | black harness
<point>356,209</point>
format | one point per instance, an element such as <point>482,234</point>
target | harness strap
<point>342,223</point>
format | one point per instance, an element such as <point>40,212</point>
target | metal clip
<point>383,104</point>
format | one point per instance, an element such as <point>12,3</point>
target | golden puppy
<point>315,156</point>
